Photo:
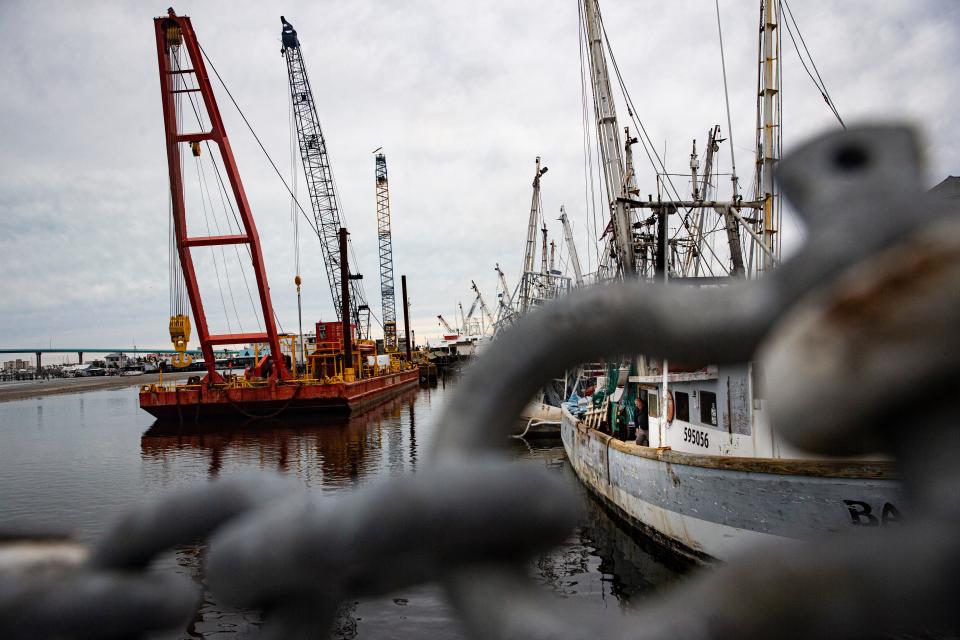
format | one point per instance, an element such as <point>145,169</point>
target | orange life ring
<point>670,408</point>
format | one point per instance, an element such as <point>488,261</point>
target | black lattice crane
<point>387,296</point>
<point>319,177</point>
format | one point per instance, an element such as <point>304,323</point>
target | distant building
<point>118,360</point>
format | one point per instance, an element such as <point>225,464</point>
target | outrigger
<point>339,375</point>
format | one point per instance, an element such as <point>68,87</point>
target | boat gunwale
<point>840,468</point>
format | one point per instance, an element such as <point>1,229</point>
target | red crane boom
<point>172,32</point>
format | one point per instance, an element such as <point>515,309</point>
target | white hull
<point>540,419</point>
<point>712,507</point>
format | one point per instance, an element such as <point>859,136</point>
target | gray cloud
<point>461,96</point>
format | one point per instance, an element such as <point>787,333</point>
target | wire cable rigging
<point>257,138</point>
<point>818,81</point>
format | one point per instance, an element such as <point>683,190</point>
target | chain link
<point>857,336</point>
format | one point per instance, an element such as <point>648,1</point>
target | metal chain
<point>856,334</point>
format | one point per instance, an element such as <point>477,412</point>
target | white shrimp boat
<point>714,478</point>
<point>686,454</point>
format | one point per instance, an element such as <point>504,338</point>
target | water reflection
<point>330,453</point>
<point>603,561</point>
<point>54,473</point>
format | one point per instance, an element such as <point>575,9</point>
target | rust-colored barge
<point>269,399</point>
<point>342,372</point>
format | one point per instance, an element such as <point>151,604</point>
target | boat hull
<point>708,507</point>
<point>539,420</point>
<point>195,403</point>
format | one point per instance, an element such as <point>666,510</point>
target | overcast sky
<point>462,96</point>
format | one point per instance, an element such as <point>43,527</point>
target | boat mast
<point>529,255</point>
<point>768,150</point>
<point>505,300</point>
<point>544,269</point>
<point>571,247</point>
<point>609,138</point>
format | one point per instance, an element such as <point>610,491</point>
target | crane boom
<point>505,310</point>
<point>473,309</point>
<point>530,251</point>
<point>483,305</point>
<point>174,35</point>
<point>571,247</point>
<point>387,296</point>
<point>446,325</point>
<point>319,177</point>
<point>505,300</point>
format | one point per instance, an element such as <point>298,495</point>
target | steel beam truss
<point>387,296</point>
<point>319,177</point>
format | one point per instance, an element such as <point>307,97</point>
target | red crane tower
<point>174,33</point>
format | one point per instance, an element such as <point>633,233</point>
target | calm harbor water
<point>74,461</point>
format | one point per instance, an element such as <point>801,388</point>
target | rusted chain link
<point>857,336</point>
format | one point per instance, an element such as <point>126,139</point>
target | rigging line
<point>223,251</point>
<point>355,285</point>
<point>225,202</point>
<point>194,103</point>
<point>227,199</point>
<point>821,87</point>
<point>170,263</point>
<point>726,96</point>
<point>180,282</point>
<point>293,179</point>
<point>589,193</point>
<point>216,268</point>
<point>257,138</point>
<point>223,188</point>
<point>632,111</point>
<point>599,152</point>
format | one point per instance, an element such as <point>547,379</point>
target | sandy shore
<point>22,390</point>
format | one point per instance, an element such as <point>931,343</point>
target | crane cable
<point>216,267</point>
<point>230,202</point>
<point>645,140</point>
<point>257,138</point>
<point>205,191</point>
<point>818,81</point>
<point>359,287</point>
<point>589,191</point>
<point>726,97</point>
<point>177,284</point>
<point>296,229</point>
<point>225,201</point>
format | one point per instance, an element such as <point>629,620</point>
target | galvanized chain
<point>856,334</point>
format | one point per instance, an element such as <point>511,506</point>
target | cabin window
<point>708,408</point>
<point>653,405</point>
<point>682,401</point>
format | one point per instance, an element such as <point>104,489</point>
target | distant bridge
<point>38,352</point>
